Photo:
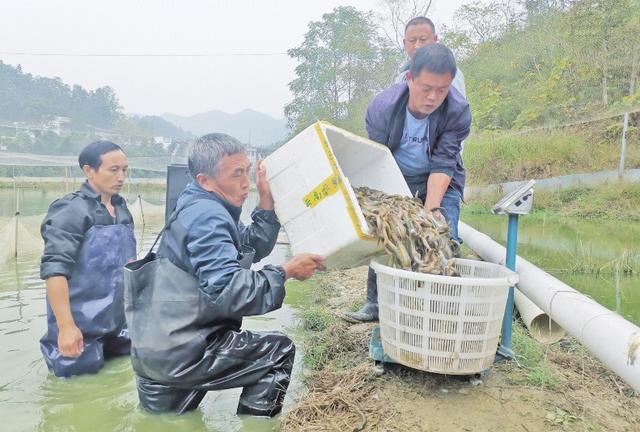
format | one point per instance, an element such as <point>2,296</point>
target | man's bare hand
<point>303,266</point>
<point>70,341</point>
<point>265,199</point>
<point>439,216</point>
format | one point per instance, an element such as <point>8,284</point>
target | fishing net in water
<point>22,233</point>
<point>142,163</point>
<point>145,213</point>
<point>32,224</point>
<point>17,238</point>
<point>411,236</point>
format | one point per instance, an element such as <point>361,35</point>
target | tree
<point>342,63</point>
<point>539,9</point>
<point>577,61</point>
<point>479,23</point>
<point>33,99</point>
<point>603,37</point>
<point>398,13</point>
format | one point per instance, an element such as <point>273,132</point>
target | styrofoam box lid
<point>311,179</point>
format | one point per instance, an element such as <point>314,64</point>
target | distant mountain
<point>160,127</point>
<point>248,126</point>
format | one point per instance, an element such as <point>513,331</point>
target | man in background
<point>418,32</point>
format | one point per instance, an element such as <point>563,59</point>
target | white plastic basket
<point>443,324</point>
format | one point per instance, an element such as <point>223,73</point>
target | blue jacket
<point>449,125</point>
<point>205,238</point>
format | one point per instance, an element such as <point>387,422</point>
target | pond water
<point>32,399</point>
<point>585,255</point>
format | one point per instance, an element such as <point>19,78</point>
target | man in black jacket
<point>88,237</point>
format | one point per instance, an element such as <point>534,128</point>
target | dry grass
<point>341,401</point>
<point>569,389</point>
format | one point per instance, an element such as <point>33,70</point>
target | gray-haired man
<point>185,309</point>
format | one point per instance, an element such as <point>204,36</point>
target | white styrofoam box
<point>311,179</point>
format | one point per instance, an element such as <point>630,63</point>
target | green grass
<point>617,201</point>
<point>496,157</point>
<point>327,340</point>
<point>310,297</point>
<point>531,357</point>
<point>316,318</point>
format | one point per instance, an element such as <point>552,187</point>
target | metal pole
<point>507,322</point>
<point>141,210</point>
<point>15,246</point>
<point>624,143</point>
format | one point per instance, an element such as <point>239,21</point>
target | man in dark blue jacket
<point>185,309</point>
<point>423,121</point>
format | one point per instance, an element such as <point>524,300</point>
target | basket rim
<point>510,276</point>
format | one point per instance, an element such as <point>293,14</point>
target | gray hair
<point>207,151</point>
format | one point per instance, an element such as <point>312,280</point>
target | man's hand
<point>303,266</point>
<point>70,341</point>
<point>437,214</point>
<point>265,200</point>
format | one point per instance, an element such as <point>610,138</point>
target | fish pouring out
<point>413,238</point>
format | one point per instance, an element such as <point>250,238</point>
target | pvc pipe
<point>542,328</point>
<point>609,337</point>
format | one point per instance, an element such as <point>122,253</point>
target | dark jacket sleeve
<point>214,257</point>
<point>262,234</point>
<point>252,292</point>
<point>375,123</point>
<point>446,149</point>
<point>385,116</point>
<point>63,230</point>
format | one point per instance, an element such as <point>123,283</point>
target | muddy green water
<point>31,399</point>
<point>574,251</point>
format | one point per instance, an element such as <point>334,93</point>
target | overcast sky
<point>181,85</point>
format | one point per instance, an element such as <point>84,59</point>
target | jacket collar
<point>194,191</point>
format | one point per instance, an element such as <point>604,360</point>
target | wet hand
<point>303,266</point>
<point>70,341</point>
<point>437,214</point>
<point>264,190</point>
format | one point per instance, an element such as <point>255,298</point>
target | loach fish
<point>413,238</point>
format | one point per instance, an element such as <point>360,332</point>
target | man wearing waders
<point>88,237</point>
<point>185,306</point>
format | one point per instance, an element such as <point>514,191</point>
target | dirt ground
<point>346,394</point>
